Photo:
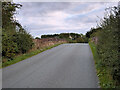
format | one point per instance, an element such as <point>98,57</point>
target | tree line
<point>70,37</point>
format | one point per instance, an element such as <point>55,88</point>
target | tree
<point>14,37</point>
<point>37,38</point>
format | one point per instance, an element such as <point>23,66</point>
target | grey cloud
<point>81,19</point>
<point>78,14</point>
<point>41,8</point>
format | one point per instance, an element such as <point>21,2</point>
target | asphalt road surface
<point>65,66</point>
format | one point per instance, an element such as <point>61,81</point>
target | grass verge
<point>103,74</point>
<point>26,55</point>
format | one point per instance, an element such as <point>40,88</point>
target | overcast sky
<point>49,18</point>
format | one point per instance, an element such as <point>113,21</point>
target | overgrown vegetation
<point>107,48</point>
<point>27,55</point>
<point>17,44</point>
<point>104,42</point>
<point>70,37</point>
<point>103,73</point>
<point>15,39</point>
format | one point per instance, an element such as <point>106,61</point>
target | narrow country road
<point>65,66</point>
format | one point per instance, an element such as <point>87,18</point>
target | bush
<point>24,42</point>
<point>80,40</point>
<point>9,47</point>
<point>108,42</point>
<point>15,39</point>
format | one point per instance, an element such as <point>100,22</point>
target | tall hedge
<point>108,46</point>
<point>15,39</point>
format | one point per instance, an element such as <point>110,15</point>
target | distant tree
<point>89,33</point>
<point>80,40</point>
<point>37,38</point>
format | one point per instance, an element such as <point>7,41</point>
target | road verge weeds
<point>103,73</point>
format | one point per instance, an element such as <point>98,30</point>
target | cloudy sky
<point>61,17</point>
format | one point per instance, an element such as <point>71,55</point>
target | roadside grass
<point>26,55</point>
<point>105,79</point>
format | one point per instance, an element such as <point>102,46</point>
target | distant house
<point>70,37</point>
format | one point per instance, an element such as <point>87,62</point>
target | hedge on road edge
<point>105,78</point>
